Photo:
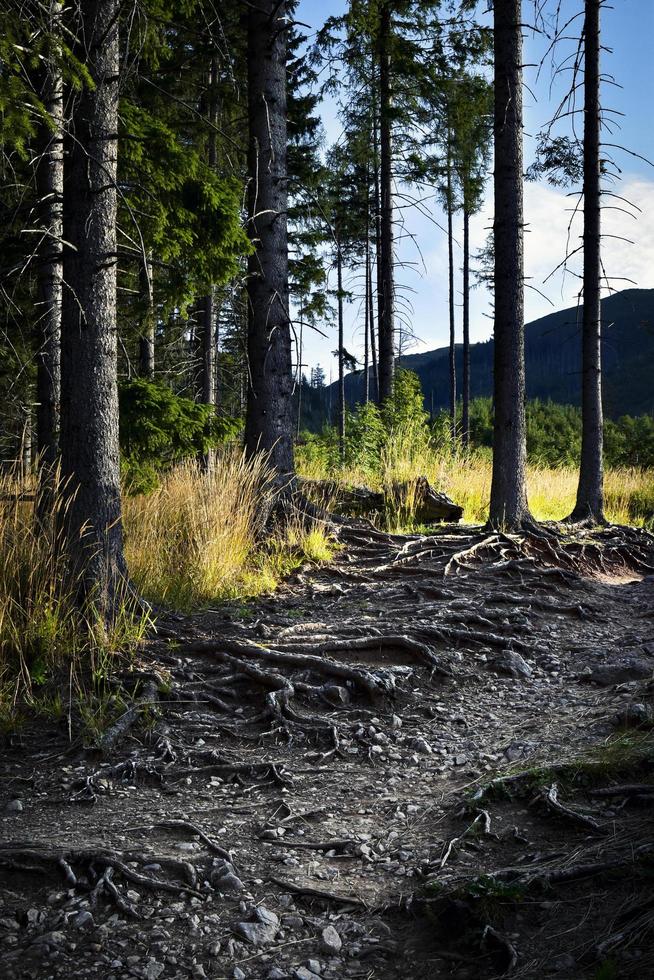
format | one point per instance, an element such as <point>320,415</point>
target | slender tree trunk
<point>590,492</point>
<point>386,311</point>
<point>450,261</point>
<point>465,417</point>
<point>508,505</point>
<point>379,283</point>
<point>146,337</point>
<point>208,369</point>
<point>341,358</point>
<point>269,417</point>
<point>373,344</point>
<point>89,391</point>
<point>50,182</point>
<point>299,370</point>
<point>366,328</point>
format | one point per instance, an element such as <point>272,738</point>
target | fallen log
<point>428,505</point>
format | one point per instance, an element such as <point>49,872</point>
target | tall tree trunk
<point>89,391</point>
<point>341,357</point>
<point>366,326</point>
<point>208,369</point>
<point>269,417</point>
<point>373,344</point>
<point>465,415</point>
<point>299,368</point>
<point>590,492</point>
<point>387,298</point>
<point>450,266</point>
<point>50,182</point>
<point>146,336</point>
<point>508,505</point>
<point>379,281</point>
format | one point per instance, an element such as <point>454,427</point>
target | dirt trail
<point>198,846</point>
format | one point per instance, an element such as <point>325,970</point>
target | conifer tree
<point>508,504</point>
<point>89,391</point>
<point>269,420</point>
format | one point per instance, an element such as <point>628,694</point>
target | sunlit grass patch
<point>201,537</point>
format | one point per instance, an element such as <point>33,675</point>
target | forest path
<point>446,661</point>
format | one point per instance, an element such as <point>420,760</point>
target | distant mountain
<point>553,359</point>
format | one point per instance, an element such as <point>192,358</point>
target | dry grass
<point>629,492</point>
<point>44,634</point>
<point>200,537</point>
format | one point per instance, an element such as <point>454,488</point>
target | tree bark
<point>89,394</point>
<point>590,491</point>
<point>341,358</point>
<point>366,325</point>
<point>508,505</point>
<point>450,265</point>
<point>387,295</point>
<point>269,416</point>
<point>208,369</point>
<point>50,181</point>
<point>373,343</point>
<point>465,415</point>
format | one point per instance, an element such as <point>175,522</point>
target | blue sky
<point>628,30</point>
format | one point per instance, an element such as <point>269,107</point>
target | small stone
<point>314,966</point>
<point>14,806</point>
<point>634,716</point>
<point>229,883</point>
<point>274,973</point>
<point>330,941</point>
<point>302,973</point>
<point>83,920</point>
<point>292,922</point>
<point>198,971</point>
<point>511,664</point>
<point>214,949</point>
<point>237,974</point>
<point>152,969</point>
<point>421,745</point>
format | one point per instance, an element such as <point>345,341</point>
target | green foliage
<point>159,428</point>
<point>186,213</point>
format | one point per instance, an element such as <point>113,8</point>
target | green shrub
<point>159,428</point>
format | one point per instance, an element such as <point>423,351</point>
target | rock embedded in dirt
<point>629,669</point>
<point>14,806</point>
<point>228,883</point>
<point>303,973</point>
<point>330,941</point>
<point>261,930</point>
<point>512,664</point>
<point>634,716</point>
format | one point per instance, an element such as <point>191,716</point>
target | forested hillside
<point>553,360</point>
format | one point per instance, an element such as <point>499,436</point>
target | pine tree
<point>590,492</point>
<point>269,419</point>
<point>508,504</point>
<point>89,390</point>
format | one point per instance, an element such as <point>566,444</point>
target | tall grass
<point>409,452</point>
<point>45,635</point>
<point>200,537</point>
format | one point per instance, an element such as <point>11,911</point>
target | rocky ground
<point>432,757</point>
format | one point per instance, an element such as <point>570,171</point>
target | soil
<point>459,785</point>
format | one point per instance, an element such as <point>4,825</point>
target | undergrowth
<point>410,450</point>
<point>55,656</point>
<point>201,537</point>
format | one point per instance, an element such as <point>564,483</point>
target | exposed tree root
<point>321,893</point>
<point>93,870</point>
<point>120,728</point>
<point>549,796</point>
